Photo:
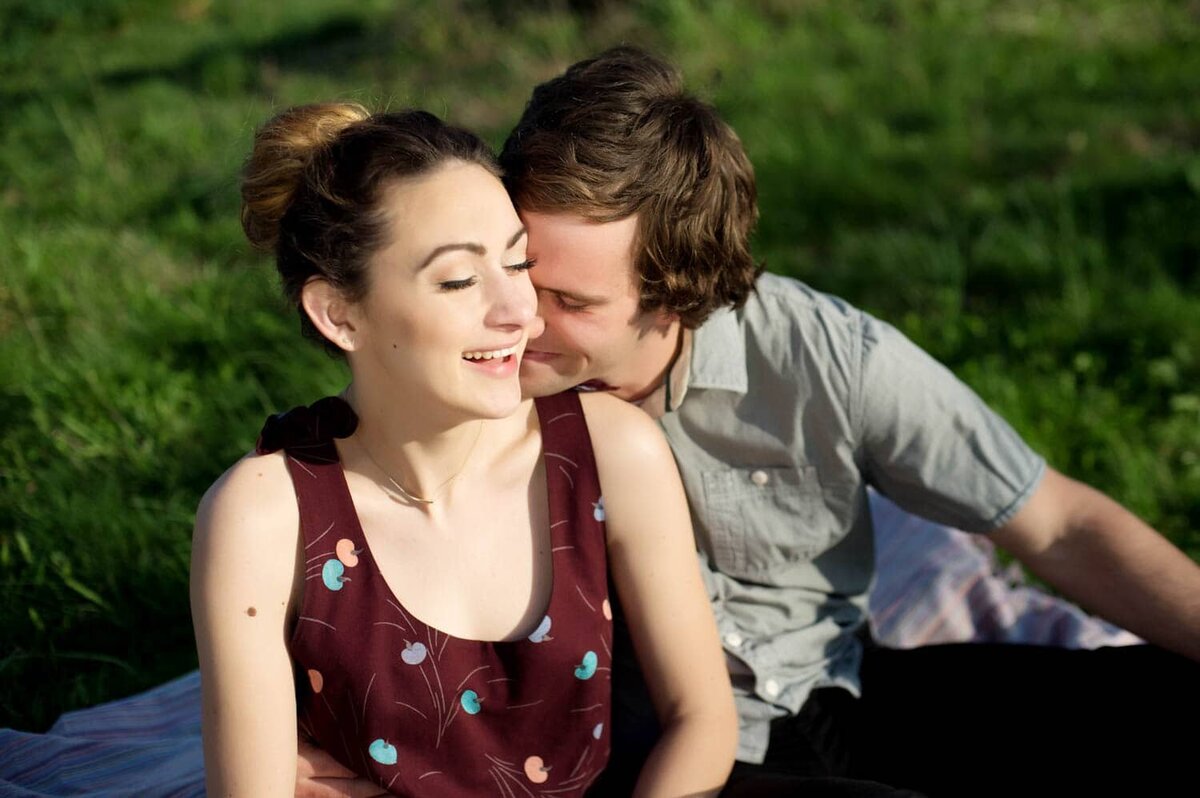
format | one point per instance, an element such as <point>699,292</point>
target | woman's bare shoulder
<point>622,432</point>
<point>256,486</point>
<point>250,512</point>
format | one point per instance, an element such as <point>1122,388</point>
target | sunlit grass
<point>1014,184</point>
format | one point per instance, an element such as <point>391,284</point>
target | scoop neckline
<point>391,596</point>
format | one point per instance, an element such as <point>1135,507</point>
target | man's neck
<point>660,356</point>
<point>671,386</point>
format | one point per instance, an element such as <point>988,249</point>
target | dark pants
<point>980,720</point>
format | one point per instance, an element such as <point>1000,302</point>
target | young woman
<point>416,572</point>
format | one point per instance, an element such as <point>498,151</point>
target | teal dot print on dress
<point>542,632</point>
<point>598,509</point>
<point>470,702</point>
<point>331,574</point>
<point>587,669</point>
<point>382,752</point>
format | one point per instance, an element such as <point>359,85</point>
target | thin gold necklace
<point>409,495</point>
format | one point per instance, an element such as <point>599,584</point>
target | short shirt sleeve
<point>930,444</point>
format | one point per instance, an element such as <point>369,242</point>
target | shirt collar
<point>719,354</point>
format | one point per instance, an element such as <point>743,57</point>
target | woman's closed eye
<point>458,285</point>
<point>523,266</point>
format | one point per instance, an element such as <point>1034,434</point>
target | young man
<point>782,406</point>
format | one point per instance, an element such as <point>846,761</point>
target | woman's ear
<point>331,313</point>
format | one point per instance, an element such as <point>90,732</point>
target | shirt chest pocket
<point>766,524</point>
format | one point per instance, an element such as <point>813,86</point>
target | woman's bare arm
<point>243,572</point>
<point>652,557</point>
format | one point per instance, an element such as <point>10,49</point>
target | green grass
<point>1014,184</point>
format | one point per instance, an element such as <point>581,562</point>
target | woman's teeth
<point>492,355</point>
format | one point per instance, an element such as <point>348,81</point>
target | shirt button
<point>760,478</point>
<point>771,688</point>
<point>734,640</point>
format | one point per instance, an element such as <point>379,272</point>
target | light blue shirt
<point>794,405</point>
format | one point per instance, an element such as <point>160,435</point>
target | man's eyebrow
<point>473,248</point>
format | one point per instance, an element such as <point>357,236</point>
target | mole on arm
<point>251,612</point>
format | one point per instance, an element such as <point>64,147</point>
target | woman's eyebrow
<point>517,236</point>
<point>476,249</point>
<point>473,248</point>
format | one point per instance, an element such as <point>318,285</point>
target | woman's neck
<point>417,457</point>
<point>409,453</point>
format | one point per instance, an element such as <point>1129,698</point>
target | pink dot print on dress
<point>536,770</point>
<point>346,552</point>
<point>316,680</point>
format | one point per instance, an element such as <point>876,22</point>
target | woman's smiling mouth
<point>492,354</point>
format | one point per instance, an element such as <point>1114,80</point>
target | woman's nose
<point>514,303</point>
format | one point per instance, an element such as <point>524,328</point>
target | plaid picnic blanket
<point>935,585</point>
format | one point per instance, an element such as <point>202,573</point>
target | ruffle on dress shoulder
<point>313,427</point>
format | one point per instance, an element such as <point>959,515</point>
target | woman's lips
<point>497,367</point>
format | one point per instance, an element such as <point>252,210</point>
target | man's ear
<point>330,312</point>
<point>666,319</point>
<point>658,321</point>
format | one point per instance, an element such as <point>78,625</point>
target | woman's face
<point>449,306</point>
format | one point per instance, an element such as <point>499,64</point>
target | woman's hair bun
<point>283,149</point>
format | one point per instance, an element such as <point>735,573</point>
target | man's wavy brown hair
<point>617,135</point>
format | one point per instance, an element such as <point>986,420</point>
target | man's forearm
<point>1102,556</point>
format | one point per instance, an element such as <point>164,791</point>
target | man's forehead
<point>574,253</point>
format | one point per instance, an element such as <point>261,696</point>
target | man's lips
<point>539,356</point>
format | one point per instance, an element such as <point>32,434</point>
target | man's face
<point>588,297</point>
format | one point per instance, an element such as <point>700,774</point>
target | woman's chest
<point>484,574</point>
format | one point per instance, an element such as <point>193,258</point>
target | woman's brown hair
<point>616,135</point>
<point>313,185</point>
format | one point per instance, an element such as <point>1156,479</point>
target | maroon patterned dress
<point>423,713</point>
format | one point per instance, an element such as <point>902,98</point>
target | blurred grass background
<point>1015,184</point>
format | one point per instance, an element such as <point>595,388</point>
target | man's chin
<point>544,384</point>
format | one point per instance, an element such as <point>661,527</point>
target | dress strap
<point>574,486</point>
<point>563,424</point>
<point>306,436</point>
